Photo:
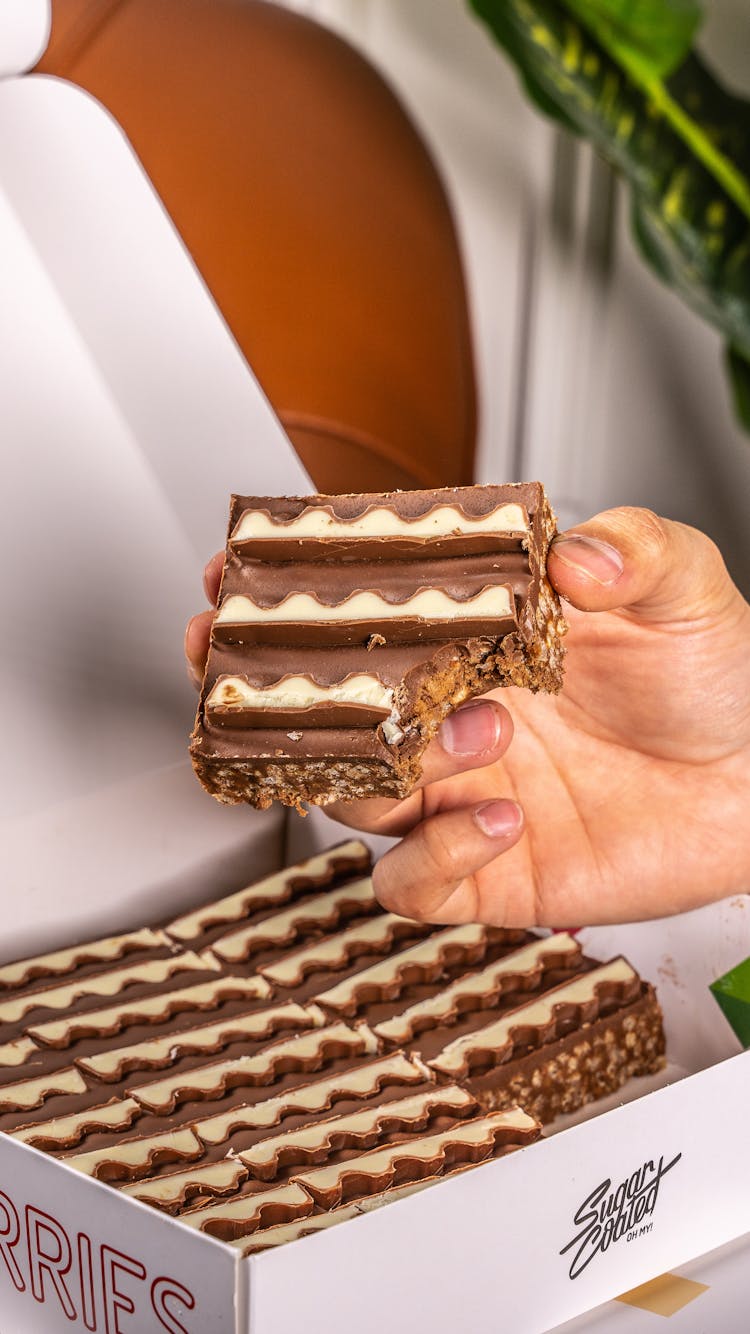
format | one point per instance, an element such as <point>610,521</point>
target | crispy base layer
<point>531,657</point>
<point>292,781</point>
<point>577,1069</point>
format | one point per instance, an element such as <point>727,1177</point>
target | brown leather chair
<point>314,213</point>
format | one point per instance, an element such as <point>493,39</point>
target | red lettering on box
<point>114,1299</point>
<point>85,1265</point>
<point>166,1288</point>
<point>55,1262</point>
<point>10,1231</point>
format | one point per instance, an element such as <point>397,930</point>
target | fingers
<point>630,558</point>
<point>212,577</point>
<point>198,632</point>
<point>430,874</point>
<point>197,636</point>
<point>477,734</point>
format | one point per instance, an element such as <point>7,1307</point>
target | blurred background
<point>590,375</point>
<point>311,212</point>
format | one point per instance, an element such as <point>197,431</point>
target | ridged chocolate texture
<point>325,870</point>
<point>417,1158</point>
<point>338,647</point>
<point>308,1039</point>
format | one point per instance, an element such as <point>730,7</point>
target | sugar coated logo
<point>607,1215</point>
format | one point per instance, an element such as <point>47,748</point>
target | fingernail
<point>597,560</point>
<point>499,819</point>
<point>471,730</point>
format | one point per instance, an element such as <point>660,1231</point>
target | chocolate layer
<point>345,1041</point>
<point>289,611</point>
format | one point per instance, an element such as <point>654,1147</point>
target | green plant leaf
<point>656,35</point>
<point>682,143</point>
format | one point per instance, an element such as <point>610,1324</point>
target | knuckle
<point>651,530</point>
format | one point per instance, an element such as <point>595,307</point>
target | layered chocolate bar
<point>292,1056</point>
<point>349,626</point>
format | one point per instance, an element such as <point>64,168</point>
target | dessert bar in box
<point>292,1056</point>
<point>349,626</point>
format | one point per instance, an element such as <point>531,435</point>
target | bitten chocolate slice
<point>349,626</point>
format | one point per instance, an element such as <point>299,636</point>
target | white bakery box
<point>127,416</point>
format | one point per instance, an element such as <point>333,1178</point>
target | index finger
<point>212,577</point>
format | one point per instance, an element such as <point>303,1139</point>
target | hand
<point>628,795</point>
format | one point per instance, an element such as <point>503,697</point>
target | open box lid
<point>128,417</point>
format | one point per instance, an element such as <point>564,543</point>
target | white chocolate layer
<point>64,961</point>
<point>380,521</point>
<point>494,1037</point>
<point>62,1130</point>
<point>317,909</point>
<point>100,984</point>
<point>333,951</point>
<point>300,692</point>
<point>405,1112</point>
<point>485,982</point>
<point>15,1053</point>
<point>137,1153</point>
<point>211,1079</point>
<point>313,1097</point>
<point>247,1210</point>
<point>200,996</point>
<point>378,1162</point>
<point>30,1093</point>
<point>428,604</point>
<point>277,888</point>
<point>205,1037</point>
<point>216,1178</point>
<point>425,954</point>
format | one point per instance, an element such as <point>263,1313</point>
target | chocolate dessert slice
<point>349,626</point>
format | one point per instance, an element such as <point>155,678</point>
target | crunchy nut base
<point>531,657</point>
<point>576,1070</point>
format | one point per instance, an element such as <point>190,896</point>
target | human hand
<point>626,796</point>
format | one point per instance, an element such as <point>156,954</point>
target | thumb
<point>631,558</point>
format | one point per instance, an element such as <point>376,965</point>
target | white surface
<point>128,416</point>
<point>590,374</point>
<point>722,1309</point>
<point>24,33</point>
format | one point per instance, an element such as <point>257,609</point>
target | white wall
<point>591,376</point>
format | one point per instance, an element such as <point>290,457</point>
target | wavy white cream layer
<point>320,910</point>
<point>493,1037</point>
<point>381,521</point>
<point>211,1079</point>
<point>201,996</point>
<point>334,951</point>
<point>429,604</point>
<point>64,961</point>
<point>63,1130</point>
<point>476,985</point>
<point>405,1113</point>
<point>377,1162</point>
<point>156,1051</point>
<point>276,888</point>
<point>247,1211</point>
<point>362,1082</point>
<point>300,692</point>
<point>101,984</point>
<point>426,954</point>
